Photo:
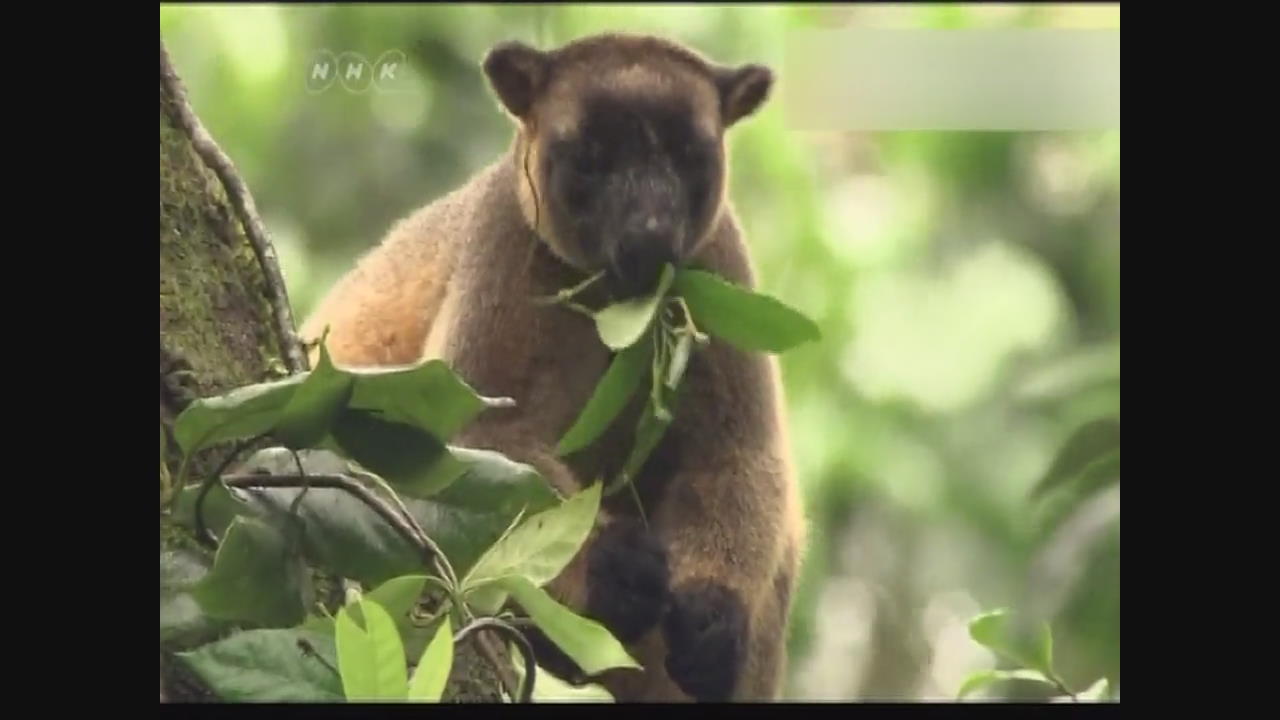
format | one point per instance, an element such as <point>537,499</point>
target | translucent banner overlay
<point>891,79</point>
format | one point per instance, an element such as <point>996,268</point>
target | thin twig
<point>425,545</point>
<point>569,292</point>
<point>310,651</point>
<point>242,202</point>
<point>442,564</point>
<point>203,535</point>
<point>297,528</point>
<point>1053,677</point>
<point>505,674</point>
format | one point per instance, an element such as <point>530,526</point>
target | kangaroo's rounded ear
<point>742,90</point>
<point>517,74</point>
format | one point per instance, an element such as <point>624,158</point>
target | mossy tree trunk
<point>220,329</point>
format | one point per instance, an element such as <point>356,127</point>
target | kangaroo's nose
<point>643,249</point>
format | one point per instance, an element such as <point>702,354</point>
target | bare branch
<point>426,546</point>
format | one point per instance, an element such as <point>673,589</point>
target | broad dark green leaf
<point>267,666</point>
<point>428,395</point>
<point>538,548</point>
<point>611,395</point>
<point>412,460</point>
<point>491,482</point>
<point>345,537</point>
<point>183,623</point>
<point>589,643</point>
<point>1093,441</point>
<point>620,325</point>
<point>241,413</point>
<point>432,673</point>
<point>254,578</point>
<point>315,405</point>
<point>741,317</point>
<point>983,678</point>
<point>370,658</point>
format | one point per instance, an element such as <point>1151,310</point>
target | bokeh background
<point>967,285</point>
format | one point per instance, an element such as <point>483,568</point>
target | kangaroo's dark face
<point>623,143</point>
<point>634,184</point>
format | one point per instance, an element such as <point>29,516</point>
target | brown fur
<point>456,280</point>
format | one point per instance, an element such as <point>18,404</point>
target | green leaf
<point>254,578</point>
<point>589,643</point>
<point>550,689</point>
<point>492,483</point>
<point>611,395</point>
<point>399,596</point>
<point>433,669</point>
<point>994,630</point>
<point>315,405</point>
<point>345,537</point>
<point>244,412</point>
<point>371,658</point>
<point>741,317</point>
<point>990,629</point>
<point>183,623</point>
<point>1096,440</point>
<point>428,395</point>
<point>409,458</point>
<point>620,325</point>
<point>267,666</point>
<point>220,508</point>
<point>983,678</point>
<point>539,548</point>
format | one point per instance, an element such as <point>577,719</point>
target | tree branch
<point>426,546</point>
<point>525,692</point>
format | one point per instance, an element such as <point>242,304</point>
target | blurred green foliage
<point>967,286</point>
